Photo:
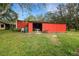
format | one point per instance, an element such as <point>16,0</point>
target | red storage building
<point>42,26</point>
<point>21,24</point>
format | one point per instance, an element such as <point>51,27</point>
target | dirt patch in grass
<point>54,39</point>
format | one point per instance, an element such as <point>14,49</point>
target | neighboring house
<point>42,26</point>
<point>6,25</point>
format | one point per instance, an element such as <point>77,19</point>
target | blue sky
<point>35,11</point>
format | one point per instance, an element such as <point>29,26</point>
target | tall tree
<point>69,12</point>
<point>4,8</point>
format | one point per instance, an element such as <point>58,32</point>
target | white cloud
<point>52,7</point>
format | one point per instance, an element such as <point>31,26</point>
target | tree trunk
<point>5,9</point>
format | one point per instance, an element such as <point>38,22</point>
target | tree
<point>7,14</point>
<point>6,8</point>
<point>30,18</point>
<point>29,6</point>
<point>49,16</point>
<point>72,13</point>
<point>40,18</point>
<point>69,12</point>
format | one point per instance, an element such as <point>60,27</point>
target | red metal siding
<point>30,27</point>
<point>21,24</point>
<point>53,27</point>
<point>45,26</point>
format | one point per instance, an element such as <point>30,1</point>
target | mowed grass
<point>31,44</point>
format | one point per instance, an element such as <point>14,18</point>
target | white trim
<point>16,23</point>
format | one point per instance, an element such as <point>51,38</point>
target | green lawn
<point>31,44</point>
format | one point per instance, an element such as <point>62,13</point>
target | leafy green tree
<point>30,18</point>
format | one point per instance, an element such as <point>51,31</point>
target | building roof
<point>44,22</point>
<point>47,22</point>
<point>7,22</point>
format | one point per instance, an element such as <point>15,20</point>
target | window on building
<point>2,25</point>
